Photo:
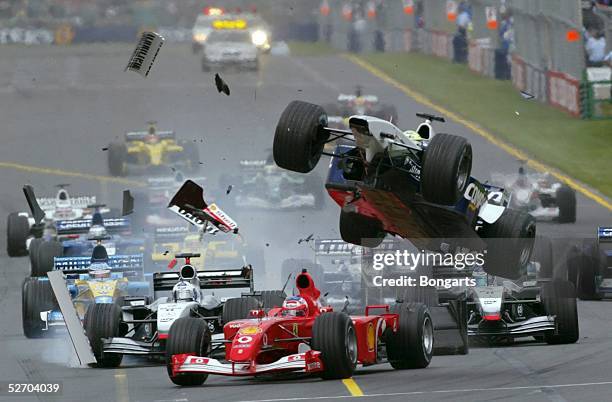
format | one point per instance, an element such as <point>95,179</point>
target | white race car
<point>225,47</point>
<point>21,226</point>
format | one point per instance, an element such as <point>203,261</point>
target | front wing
<point>534,325</point>
<point>308,362</point>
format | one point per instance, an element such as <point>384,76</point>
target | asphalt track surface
<point>60,107</point>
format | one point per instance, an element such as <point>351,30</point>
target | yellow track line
<point>352,386</point>
<point>65,173</point>
<point>515,152</point>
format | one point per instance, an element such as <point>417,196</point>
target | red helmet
<point>295,306</point>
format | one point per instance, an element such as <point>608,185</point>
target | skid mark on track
<point>66,173</point>
<point>509,149</point>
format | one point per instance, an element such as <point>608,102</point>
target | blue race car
<point>590,268</point>
<point>97,279</point>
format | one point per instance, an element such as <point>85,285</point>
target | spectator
<point>595,48</point>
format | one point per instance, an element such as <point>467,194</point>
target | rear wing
<point>167,233</point>
<point>604,234</point>
<point>117,263</point>
<point>141,135</point>
<point>209,279</point>
<point>48,203</point>
<point>335,247</point>
<point>79,226</point>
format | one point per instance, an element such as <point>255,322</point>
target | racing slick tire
<point>411,347</point>
<point>446,169</point>
<point>543,254</point>
<point>46,252</point>
<point>187,335</point>
<point>117,159</point>
<point>559,299</point>
<point>271,298</point>
<point>36,297</point>
<point>103,320</point>
<point>33,251</point>
<point>333,334</point>
<point>17,231</point>
<point>360,229</point>
<point>300,137</point>
<point>238,308</point>
<point>510,242</point>
<point>583,268</point>
<point>566,201</point>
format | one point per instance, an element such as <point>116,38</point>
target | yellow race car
<point>149,150</point>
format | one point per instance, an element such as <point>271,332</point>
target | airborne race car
<point>416,185</point>
<point>151,150</point>
<point>21,227</point>
<point>539,195</point>
<point>142,329</point>
<point>302,335</point>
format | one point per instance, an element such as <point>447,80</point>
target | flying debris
<point>229,189</point>
<point>105,149</point>
<point>307,239</point>
<point>527,95</point>
<point>221,85</point>
<point>145,53</point>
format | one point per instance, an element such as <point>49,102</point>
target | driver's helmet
<point>97,231</point>
<point>185,291</point>
<point>413,135</point>
<point>295,306</point>
<point>99,271</point>
<point>151,137</point>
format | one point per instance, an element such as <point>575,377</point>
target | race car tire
<point>295,266</point>
<point>300,136</point>
<point>117,158</point>
<point>17,231</point>
<point>510,242</point>
<point>543,254</point>
<point>584,266</point>
<point>271,298</point>
<point>411,347</point>
<point>103,320</point>
<point>46,253</point>
<point>36,297</point>
<point>566,201</point>
<point>333,334</point>
<point>187,335</point>
<point>33,253</point>
<point>559,299</point>
<point>360,229</point>
<point>238,308</point>
<point>446,168</point>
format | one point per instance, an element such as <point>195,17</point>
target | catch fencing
<point>538,44</point>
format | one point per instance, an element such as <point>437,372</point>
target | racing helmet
<point>96,273</point>
<point>185,291</point>
<point>295,306</point>
<point>151,137</point>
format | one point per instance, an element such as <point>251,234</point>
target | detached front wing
<point>309,362</point>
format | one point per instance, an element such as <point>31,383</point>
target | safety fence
<point>538,44</point>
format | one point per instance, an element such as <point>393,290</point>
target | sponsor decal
<point>295,329</point>
<point>475,195</point>
<point>294,358</point>
<point>314,366</point>
<point>252,330</point>
<point>200,360</point>
<point>235,325</point>
<point>371,337</point>
<point>244,339</point>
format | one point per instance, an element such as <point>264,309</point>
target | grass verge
<point>581,149</point>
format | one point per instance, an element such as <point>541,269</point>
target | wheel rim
<point>351,344</point>
<point>427,336</point>
<point>463,171</point>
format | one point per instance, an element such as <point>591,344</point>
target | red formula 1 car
<point>302,335</point>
